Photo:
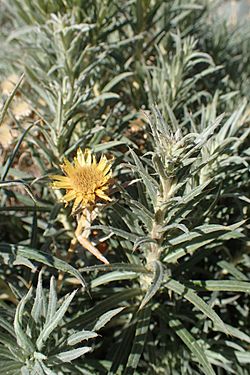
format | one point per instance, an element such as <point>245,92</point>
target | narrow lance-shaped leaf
<point>6,326</point>
<point>235,332</point>
<point>149,183</point>
<point>10,251</point>
<point>77,337</point>
<point>70,355</point>
<point>23,340</point>
<point>192,345</point>
<point>7,340</point>
<point>188,243</point>
<point>220,285</point>
<point>242,357</point>
<point>198,302</point>
<point>102,97</point>
<point>231,269</point>
<point>50,326</point>
<point>123,350</point>
<point>36,311</point>
<point>139,340</point>
<point>89,318</point>
<point>141,212</point>
<point>105,318</point>
<point>52,301</point>
<point>113,276</point>
<point>124,267</point>
<point>116,80</point>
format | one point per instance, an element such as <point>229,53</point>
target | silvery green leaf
<point>5,325</point>
<point>24,262</point>
<point>208,132</point>
<point>102,97</point>
<point>10,367</point>
<point>188,243</point>
<point>11,251</point>
<point>23,340</point>
<point>235,332</point>
<point>90,317</point>
<point>188,294</point>
<point>113,276</point>
<point>232,124</point>
<point>37,308</point>
<point>242,357</point>
<point>107,145</point>
<point>51,325</point>
<point>70,355</point>
<point>221,285</point>
<point>231,269</point>
<point>6,339</point>
<point>141,212</point>
<point>77,337</point>
<point>193,346</point>
<point>150,184</point>
<point>116,80</point>
<point>142,328</point>
<point>52,305</point>
<point>105,318</point>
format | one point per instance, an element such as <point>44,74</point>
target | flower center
<point>86,179</point>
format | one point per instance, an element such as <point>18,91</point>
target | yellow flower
<point>85,180</point>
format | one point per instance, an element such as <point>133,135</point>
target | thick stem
<point>156,233</point>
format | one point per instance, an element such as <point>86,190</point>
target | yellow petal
<point>58,177</point>
<point>94,160</point>
<point>102,195</point>
<point>106,179</point>
<point>67,167</point>
<point>90,197</point>
<point>77,202</point>
<point>61,185</point>
<point>102,163</point>
<point>77,163</point>
<point>69,196</point>
<point>104,187</point>
<point>107,171</point>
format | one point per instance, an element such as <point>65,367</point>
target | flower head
<point>86,180</point>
